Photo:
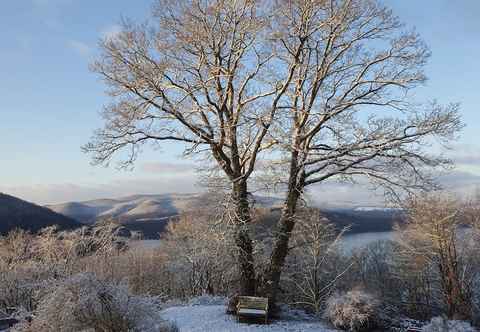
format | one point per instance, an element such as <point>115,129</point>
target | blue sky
<point>50,100</point>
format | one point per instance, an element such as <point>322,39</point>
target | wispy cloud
<point>179,178</point>
<point>466,155</point>
<point>167,168</point>
<point>81,48</point>
<point>110,32</point>
<point>67,192</point>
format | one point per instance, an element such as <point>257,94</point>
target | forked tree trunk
<point>243,240</point>
<point>283,233</point>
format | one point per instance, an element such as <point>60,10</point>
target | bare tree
<point>435,240</point>
<point>203,77</point>
<point>373,270</point>
<point>316,263</point>
<point>199,249</point>
<point>324,82</point>
<point>347,113</point>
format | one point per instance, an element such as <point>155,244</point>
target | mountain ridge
<point>126,209</point>
<point>17,213</point>
<point>151,213</point>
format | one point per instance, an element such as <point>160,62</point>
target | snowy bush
<point>355,310</point>
<point>439,324</point>
<point>22,287</point>
<point>199,256</point>
<point>84,303</point>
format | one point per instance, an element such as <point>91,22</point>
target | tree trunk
<point>283,232</point>
<point>458,305</point>
<point>243,240</point>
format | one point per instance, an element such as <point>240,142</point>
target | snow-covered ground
<point>210,318</point>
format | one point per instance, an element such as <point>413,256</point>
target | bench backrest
<point>251,302</point>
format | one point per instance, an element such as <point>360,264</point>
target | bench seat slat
<point>253,306</point>
<point>251,312</point>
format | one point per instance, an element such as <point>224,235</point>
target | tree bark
<point>243,240</point>
<point>283,232</point>
<point>458,304</point>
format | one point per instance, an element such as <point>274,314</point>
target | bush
<point>355,310</point>
<point>439,324</point>
<point>85,303</point>
<point>22,287</point>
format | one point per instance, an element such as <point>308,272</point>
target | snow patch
<point>206,318</point>
<point>439,324</point>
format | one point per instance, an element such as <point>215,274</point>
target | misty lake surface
<point>349,242</point>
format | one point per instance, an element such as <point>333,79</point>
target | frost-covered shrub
<point>355,310</point>
<point>84,303</point>
<point>199,256</point>
<point>22,287</point>
<point>439,324</point>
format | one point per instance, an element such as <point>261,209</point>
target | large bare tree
<point>323,82</point>
<point>348,113</point>
<point>198,75</point>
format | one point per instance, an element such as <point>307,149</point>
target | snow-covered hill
<point>126,208</point>
<point>139,207</point>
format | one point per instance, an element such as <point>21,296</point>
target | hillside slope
<point>148,214</point>
<point>17,213</point>
<point>128,209</point>
<point>140,207</point>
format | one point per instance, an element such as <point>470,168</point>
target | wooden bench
<point>252,307</point>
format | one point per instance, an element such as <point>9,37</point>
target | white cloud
<point>336,194</point>
<point>80,47</point>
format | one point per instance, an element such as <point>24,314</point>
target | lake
<point>349,242</point>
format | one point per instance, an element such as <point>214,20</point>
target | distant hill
<point>17,213</point>
<point>151,213</point>
<point>357,220</point>
<point>363,220</point>
<point>148,214</point>
<point>128,209</point>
